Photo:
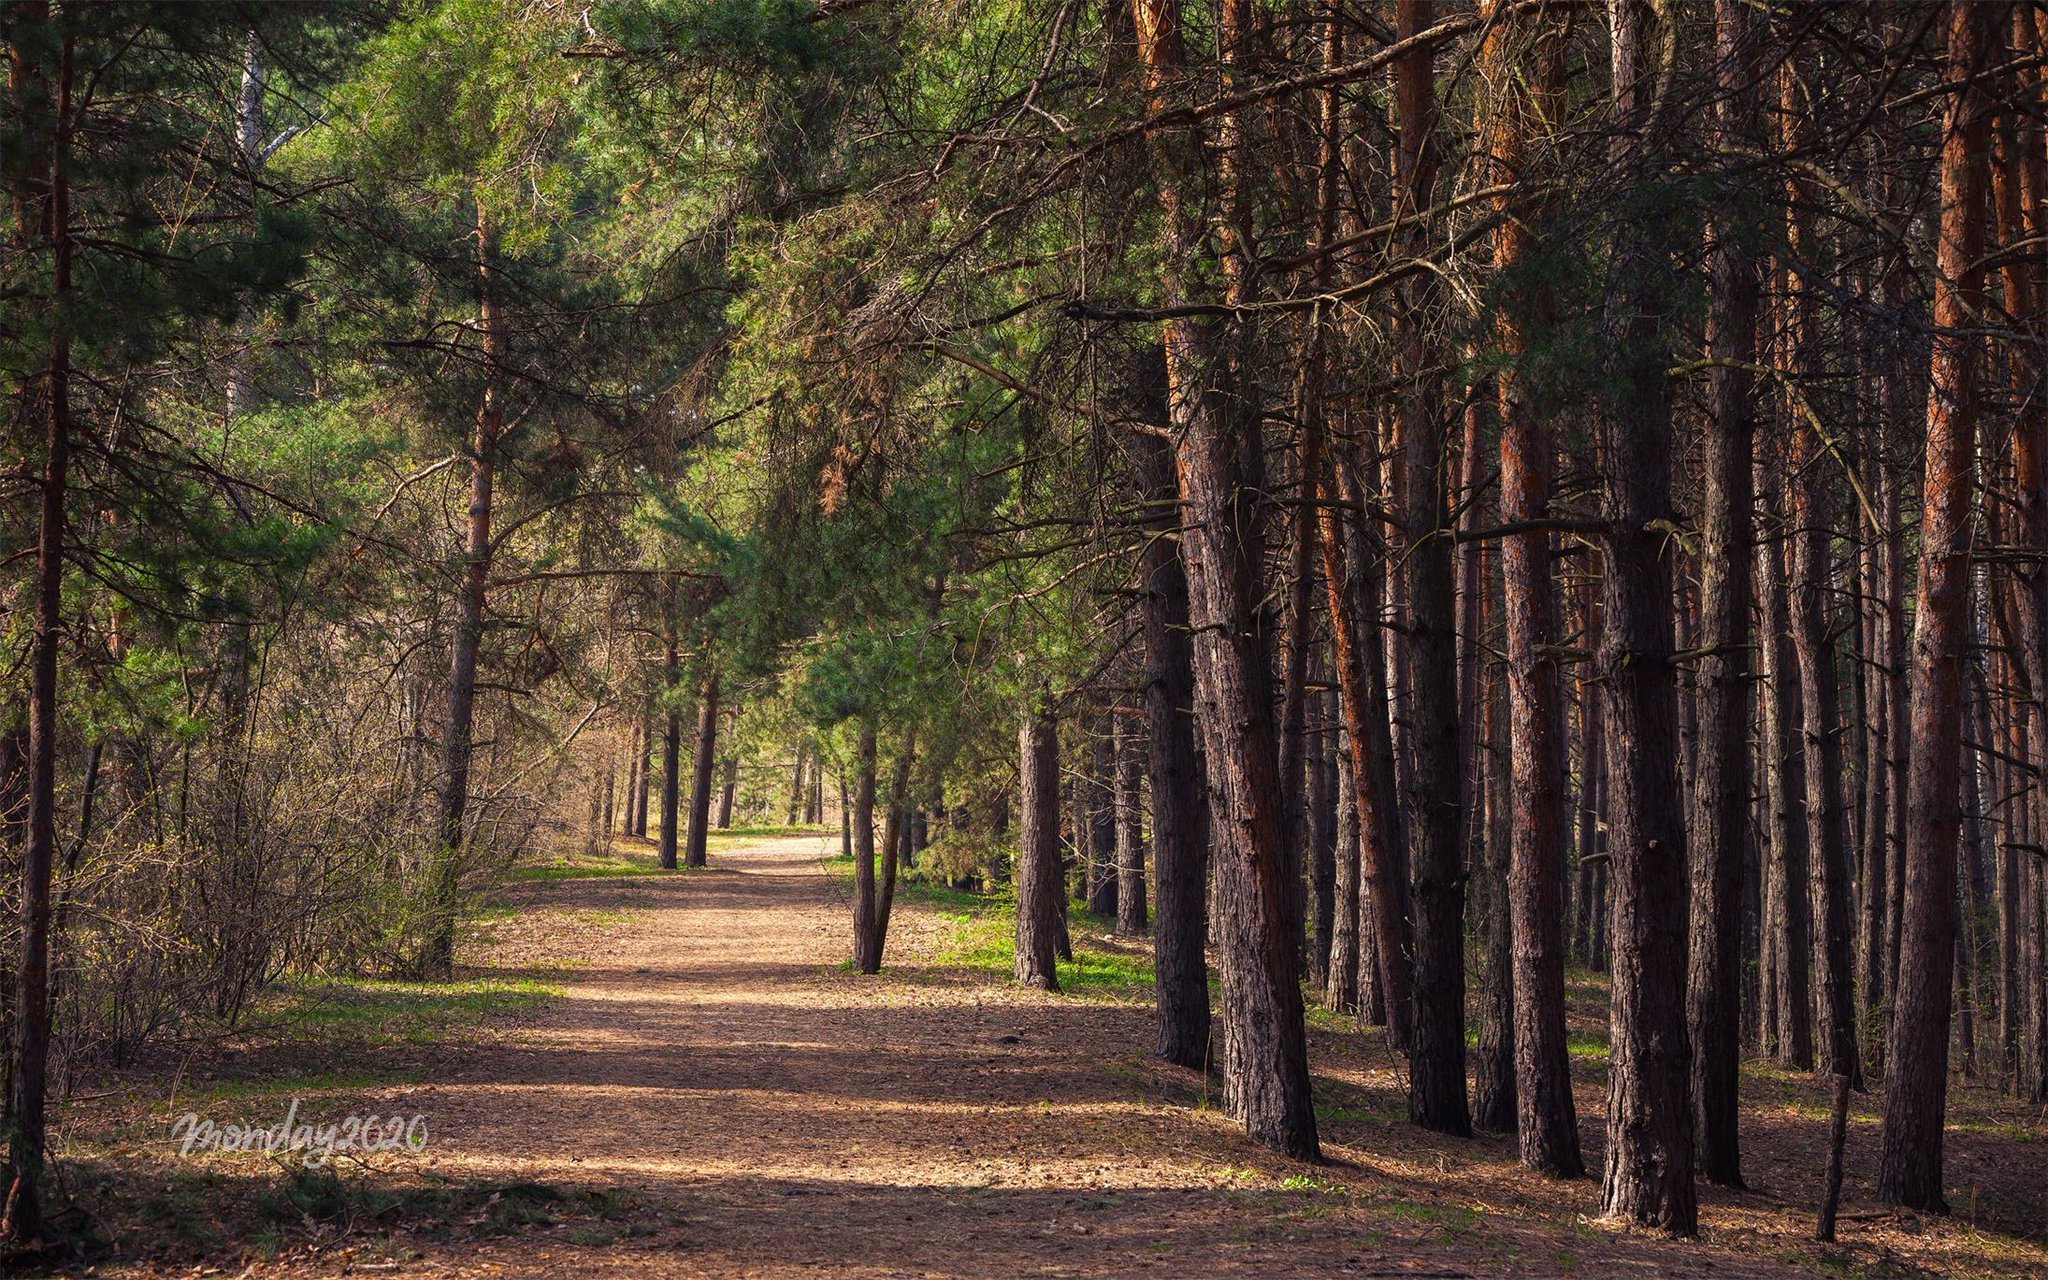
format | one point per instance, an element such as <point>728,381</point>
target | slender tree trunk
<point>1039,883</point>
<point>1180,842</point>
<point>2036,1063</point>
<point>1720,795</point>
<point>1975,829</point>
<point>728,789</point>
<point>671,743</point>
<point>21,1206</point>
<point>1312,436</point>
<point>636,758</point>
<point>611,796</point>
<point>1341,992</point>
<point>1762,769</point>
<point>593,825</point>
<point>1896,696</point>
<point>1876,789</point>
<point>845,819</point>
<point>1096,811</point>
<point>1916,1086</point>
<point>1322,836</point>
<point>642,771</point>
<point>706,764</point>
<point>458,742</point>
<point>2022,185</point>
<point>1295,643</point>
<point>1493,1084</point>
<point>895,839</point>
<point>796,784</point>
<point>1383,877</point>
<point>1813,577</point>
<point>1788,928</point>
<point>1591,844</point>
<point>867,932</point>
<point>1130,835</point>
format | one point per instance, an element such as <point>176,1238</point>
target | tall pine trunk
<point>1916,1085</point>
<point>1266,1051</point>
<point>458,740</point>
<point>1436,1057</point>
<point>1812,589</point>
<point>1720,794</point>
<point>1524,65</point>
<point>1649,1167</point>
<point>39,101</point>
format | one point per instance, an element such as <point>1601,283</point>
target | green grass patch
<point>377,1013</point>
<point>1310,1182</point>
<point>912,885</point>
<point>619,860</point>
<point>1449,1219</point>
<point>634,856</point>
<point>1586,1044</point>
<point>984,935</point>
<point>759,832</point>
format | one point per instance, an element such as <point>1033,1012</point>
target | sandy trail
<point>791,1118</point>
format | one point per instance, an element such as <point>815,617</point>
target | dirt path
<point>776,1115</point>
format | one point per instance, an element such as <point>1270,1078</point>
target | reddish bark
<point>1547,1120</point>
<point>1649,1167</point>
<point>1916,1087</point>
<point>1265,1050</point>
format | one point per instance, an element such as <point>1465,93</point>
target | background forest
<point>1400,500</point>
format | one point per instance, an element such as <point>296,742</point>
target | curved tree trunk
<point>1383,880</point>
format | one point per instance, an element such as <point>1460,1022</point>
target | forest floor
<point>677,1075</point>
